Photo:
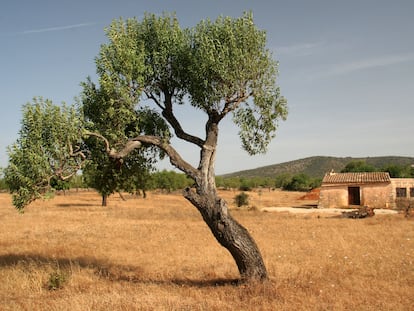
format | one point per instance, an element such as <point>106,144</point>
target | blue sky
<point>346,69</point>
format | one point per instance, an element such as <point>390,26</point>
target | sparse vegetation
<point>318,166</point>
<point>56,280</point>
<point>135,255</point>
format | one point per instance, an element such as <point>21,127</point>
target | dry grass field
<point>69,253</point>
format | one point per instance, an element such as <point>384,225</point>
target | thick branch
<point>136,142</point>
<point>128,148</point>
<point>79,157</point>
<point>175,157</point>
<point>168,114</point>
<point>106,142</point>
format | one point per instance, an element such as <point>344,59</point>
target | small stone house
<point>371,189</point>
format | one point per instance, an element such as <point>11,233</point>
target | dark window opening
<point>412,192</point>
<point>401,192</point>
<point>354,197</point>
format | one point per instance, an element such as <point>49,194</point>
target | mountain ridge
<point>318,166</point>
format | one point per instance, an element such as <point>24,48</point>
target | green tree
<point>77,182</point>
<point>241,199</point>
<point>398,171</point>
<point>358,166</point>
<point>170,180</point>
<point>220,68</point>
<point>282,180</point>
<point>299,182</point>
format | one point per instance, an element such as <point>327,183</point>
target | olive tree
<point>220,68</point>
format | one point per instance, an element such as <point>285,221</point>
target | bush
<point>241,199</point>
<point>56,280</point>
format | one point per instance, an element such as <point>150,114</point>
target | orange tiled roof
<point>359,178</point>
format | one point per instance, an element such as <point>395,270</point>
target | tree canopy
<point>49,145</point>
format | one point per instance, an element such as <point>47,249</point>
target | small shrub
<point>241,199</point>
<point>56,280</point>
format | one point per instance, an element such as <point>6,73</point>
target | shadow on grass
<point>77,205</point>
<point>107,271</point>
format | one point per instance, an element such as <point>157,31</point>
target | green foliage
<point>399,171</point>
<point>77,182</point>
<point>300,182</point>
<point>48,142</point>
<point>318,166</point>
<point>232,70</point>
<point>282,180</point>
<point>170,180</point>
<point>58,184</point>
<point>111,110</point>
<point>241,199</point>
<point>358,166</point>
<point>395,170</point>
<point>56,280</point>
<point>3,185</point>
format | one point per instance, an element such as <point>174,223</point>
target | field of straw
<point>69,253</point>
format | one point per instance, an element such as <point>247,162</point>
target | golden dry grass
<point>157,254</point>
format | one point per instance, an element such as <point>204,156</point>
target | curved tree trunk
<point>230,234</point>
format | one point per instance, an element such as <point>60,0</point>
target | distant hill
<point>318,166</point>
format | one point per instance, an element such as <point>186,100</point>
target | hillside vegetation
<point>317,166</point>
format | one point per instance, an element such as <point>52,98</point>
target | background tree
<point>3,185</point>
<point>358,166</point>
<point>111,117</point>
<point>170,180</point>
<point>399,171</point>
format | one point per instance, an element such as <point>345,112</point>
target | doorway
<point>354,197</point>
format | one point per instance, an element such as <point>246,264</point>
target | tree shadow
<point>103,269</point>
<point>77,205</point>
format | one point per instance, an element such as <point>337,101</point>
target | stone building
<point>371,189</point>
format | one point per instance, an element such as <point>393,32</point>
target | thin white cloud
<point>59,28</point>
<point>369,63</point>
<point>297,49</point>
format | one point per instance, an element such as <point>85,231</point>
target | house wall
<point>402,202</point>
<point>372,195</point>
<point>376,196</point>
<point>333,197</point>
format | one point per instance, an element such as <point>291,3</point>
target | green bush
<point>241,199</point>
<point>56,280</point>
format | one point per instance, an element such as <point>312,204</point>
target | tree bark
<point>230,234</point>
<point>104,200</point>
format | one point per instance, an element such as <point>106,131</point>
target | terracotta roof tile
<point>362,178</point>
